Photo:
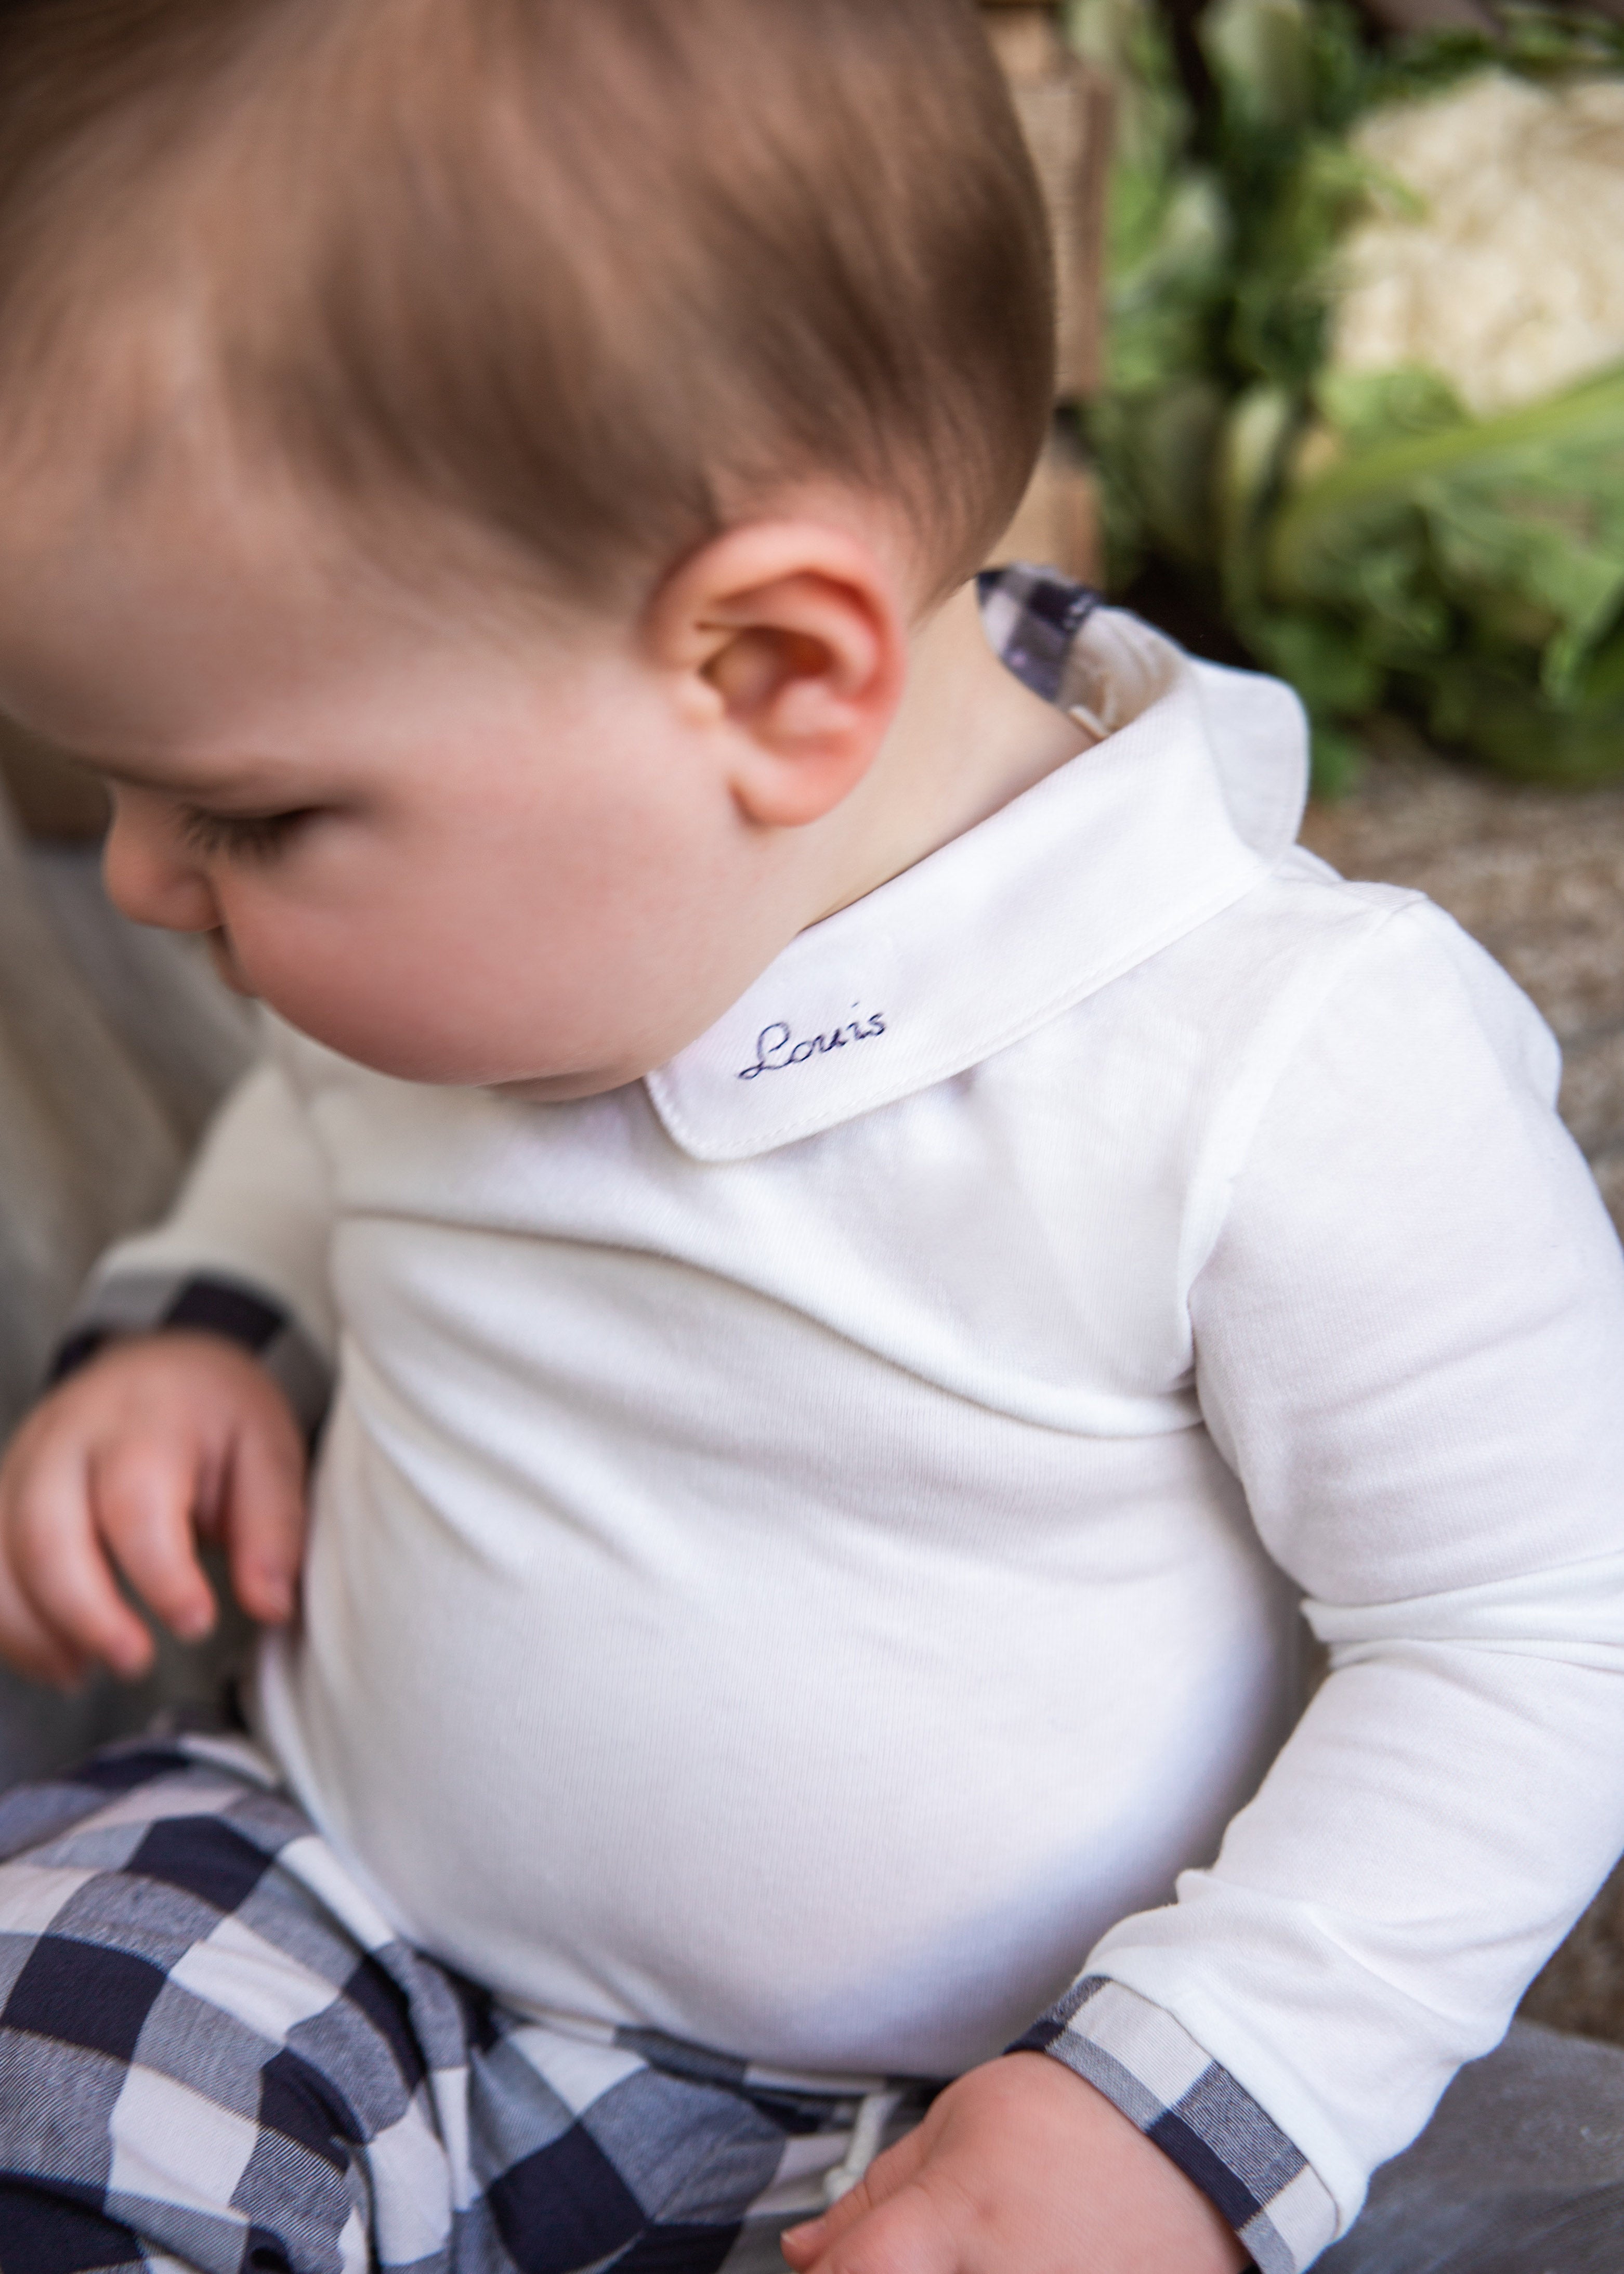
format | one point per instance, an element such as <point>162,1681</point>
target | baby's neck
<point>967,739</point>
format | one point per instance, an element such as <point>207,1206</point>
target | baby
<point>861,1230</point>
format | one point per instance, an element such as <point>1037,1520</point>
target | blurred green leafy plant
<point>1361,532</point>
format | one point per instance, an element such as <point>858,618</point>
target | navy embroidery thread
<point>777,1048</point>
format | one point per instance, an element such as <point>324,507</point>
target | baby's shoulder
<point>1306,954</point>
<point>1384,940</point>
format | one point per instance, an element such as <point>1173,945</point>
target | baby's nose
<point>150,876</point>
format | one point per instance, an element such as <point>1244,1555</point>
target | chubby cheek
<point>462,1000</point>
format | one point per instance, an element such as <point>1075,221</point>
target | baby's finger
<point>805,2244</point>
<point>266,1522</point>
<point>30,1646</point>
<point>62,1571</point>
<point>906,2234</point>
<point>144,1494</point>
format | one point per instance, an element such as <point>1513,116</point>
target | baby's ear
<point>789,640</point>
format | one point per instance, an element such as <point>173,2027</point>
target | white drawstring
<point>872,2118</point>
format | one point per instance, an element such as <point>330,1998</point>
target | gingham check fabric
<point>214,2055</point>
<point>1031,617</point>
<point>1151,2067</point>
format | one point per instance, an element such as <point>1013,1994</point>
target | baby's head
<point>475,469</point>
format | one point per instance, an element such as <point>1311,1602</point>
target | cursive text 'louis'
<point>776,1047</point>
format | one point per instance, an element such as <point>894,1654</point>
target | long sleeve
<point>1410,1341</point>
<point>243,1252</point>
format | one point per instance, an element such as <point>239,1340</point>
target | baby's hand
<point>1020,2168</point>
<point>157,1443</point>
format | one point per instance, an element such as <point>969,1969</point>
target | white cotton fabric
<point>805,1560</point>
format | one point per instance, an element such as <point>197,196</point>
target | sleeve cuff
<point>1151,2068</point>
<point>150,1303</point>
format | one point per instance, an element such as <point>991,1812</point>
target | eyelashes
<point>242,836</point>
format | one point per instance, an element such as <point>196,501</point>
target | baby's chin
<point>404,1052</point>
<point>407,1062</point>
<point>559,1088</point>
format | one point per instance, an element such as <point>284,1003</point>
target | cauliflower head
<point>1500,264</point>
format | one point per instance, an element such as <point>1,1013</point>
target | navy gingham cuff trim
<point>151,1303</point>
<point>1031,617</point>
<point>1150,2066</point>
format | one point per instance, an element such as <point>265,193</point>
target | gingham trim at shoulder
<point>1152,2068</point>
<point>148,1303</point>
<point>1032,616</point>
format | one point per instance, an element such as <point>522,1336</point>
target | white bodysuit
<point>807,1547</point>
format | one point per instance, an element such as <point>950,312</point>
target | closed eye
<point>242,836</point>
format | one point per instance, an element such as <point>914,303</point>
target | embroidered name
<point>776,1046</point>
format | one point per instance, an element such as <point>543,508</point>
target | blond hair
<point>590,275</point>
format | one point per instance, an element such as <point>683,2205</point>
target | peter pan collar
<point>1190,798</point>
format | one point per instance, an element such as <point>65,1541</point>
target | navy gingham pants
<point>215,2055</point>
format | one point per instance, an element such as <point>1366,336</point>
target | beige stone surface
<point>1538,877</point>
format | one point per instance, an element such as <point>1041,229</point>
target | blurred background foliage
<point>1361,416</point>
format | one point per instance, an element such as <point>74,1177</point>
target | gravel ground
<point>1538,877</point>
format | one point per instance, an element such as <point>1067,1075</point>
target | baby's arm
<point>195,1368</point>
<point>1409,1336</point>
